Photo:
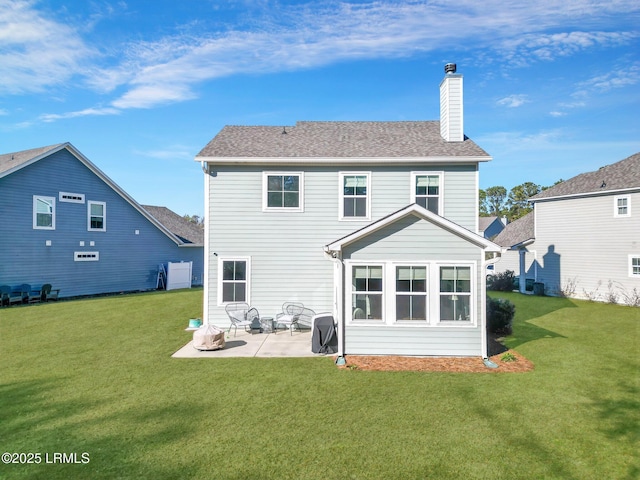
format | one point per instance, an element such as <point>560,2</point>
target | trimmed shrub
<point>503,281</point>
<point>500,313</point>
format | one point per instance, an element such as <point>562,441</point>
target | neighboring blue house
<point>375,222</point>
<point>489,227</point>
<point>66,223</point>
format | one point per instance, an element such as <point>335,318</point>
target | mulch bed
<point>392,363</point>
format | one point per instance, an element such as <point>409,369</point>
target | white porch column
<point>522,286</point>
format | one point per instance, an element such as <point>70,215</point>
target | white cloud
<point>513,101</point>
<point>539,46</point>
<point>43,51</point>
<point>623,76</point>
<point>313,35</point>
<point>35,51</point>
<point>51,117</point>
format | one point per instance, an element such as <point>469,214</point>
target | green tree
<point>482,203</point>
<point>195,219</point>
<point>495,198</point>
<point>518,200</point>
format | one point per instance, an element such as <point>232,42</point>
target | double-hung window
<point>355,196</point>
<point>427,190</point>
<point>233,280</point>
<point>44,212</point>
<point>455,293</point>
<point>366,288</point>
<point>282,191</point>
<point>411,293</point>
<point>96,216</point>
<point>622,206</point>
<point>634,266</point>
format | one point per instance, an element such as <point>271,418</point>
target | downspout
<point>483,314</point>
<point>338,301</point>
<point>205,271</point>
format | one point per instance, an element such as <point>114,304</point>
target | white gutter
<point>343,160</point>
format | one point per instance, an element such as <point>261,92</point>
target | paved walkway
<point>246,344</point>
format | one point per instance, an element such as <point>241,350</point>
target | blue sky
<point>552,89</point>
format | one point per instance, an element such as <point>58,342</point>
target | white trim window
<point>367,300</point>
<point>282,191</point>
<point>622,206</point>
<point>455,293</point>
<point>426,190</point>
<point>411,293</point>
<point>44,213</point>
<point>634,266</point>
<point>355,196</point>
<point>234,275</point>
<point>96,216</point>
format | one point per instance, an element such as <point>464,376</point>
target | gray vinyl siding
<point>286,249</point>
<point>390,340</point>
<point>413,240</point>
<point>127,262</point>
<point>579,241</point>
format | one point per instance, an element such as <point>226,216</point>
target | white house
<point>376,222</point>
<point>583,237</point>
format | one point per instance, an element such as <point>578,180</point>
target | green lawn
<point>96,376</point>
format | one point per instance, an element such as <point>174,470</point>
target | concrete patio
<point>245,344</point>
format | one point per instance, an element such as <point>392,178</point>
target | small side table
<point>268,325</point>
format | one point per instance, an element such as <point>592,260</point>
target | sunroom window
<point>411,293</point>
<point>455,293</point>
<point>367,292</point>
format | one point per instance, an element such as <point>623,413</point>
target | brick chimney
<point>451,117</point>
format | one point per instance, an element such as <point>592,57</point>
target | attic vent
<point>71,197</point>
<point>450,68</point>
<point>86,256</point>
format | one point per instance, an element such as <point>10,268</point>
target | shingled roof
<point>186,231</point>
<point>9,161</point>
<point>517,232</point>
<point>339,140</point>
<point>622,175</point>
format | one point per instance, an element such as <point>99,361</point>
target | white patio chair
<point>294,315</point>
<point>237,313</point>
